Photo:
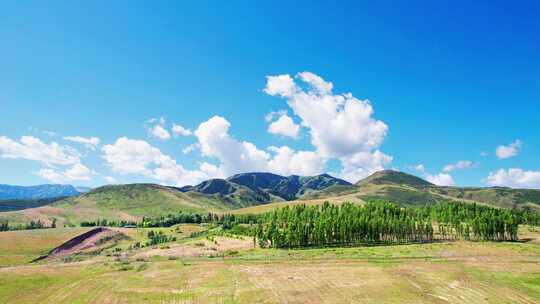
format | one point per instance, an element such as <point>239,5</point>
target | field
<point>228,269</point>
<point>21,247</point>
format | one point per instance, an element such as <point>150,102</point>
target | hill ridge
<point>395,177</point>
<point>267,186</point>
<point>254,190</point>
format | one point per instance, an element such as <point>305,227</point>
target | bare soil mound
<point>93,240</point>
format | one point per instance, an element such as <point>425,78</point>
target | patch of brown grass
<point>203,247</point>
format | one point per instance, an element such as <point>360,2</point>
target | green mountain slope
<point>496,196</point>
<point>134,201</point>
<point>407,189</point>
<point>260,192</point>
<point>391,177</point>
<point>267,187</point>
<point>119,202</point>
<point>235,195</point>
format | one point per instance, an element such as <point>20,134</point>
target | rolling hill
<point>406,189</point>
<point>134,201</point>
<point>392,177</point>
<point>259,192</point>
<point>119,202</point>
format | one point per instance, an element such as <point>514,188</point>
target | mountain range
<point>259,192</point>
<point>23,197</point>
<point>47,191</point>
<point>265,187</point>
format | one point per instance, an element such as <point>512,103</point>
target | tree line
<point>473,221</point>
<point>159,237</point>
<point>4,225</point>
<point>108,223</point>
<point>182,217</point>
<point>383,222</point>
<point>346,224</point>
<point>225,220</point>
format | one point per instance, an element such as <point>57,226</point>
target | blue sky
<point>445,82</point>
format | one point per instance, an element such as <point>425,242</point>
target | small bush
<point>231,252</point>
<point>125,268</point>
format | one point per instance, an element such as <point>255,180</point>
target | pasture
<point>228,269</point>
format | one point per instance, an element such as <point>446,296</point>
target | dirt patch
<point>92,240</point>
<point>219,246</point>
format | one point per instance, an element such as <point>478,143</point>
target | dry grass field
<point>21,247</point>
<point>228,269</point>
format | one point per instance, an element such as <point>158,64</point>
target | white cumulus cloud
<point>515,178</point>
<point>287,161</point>
<point>237,156</point>
<point>361,164</point>
<point>32,148</point>
<point>156,128</point>
<point>89,142</point>
<point>511,150</point>
<point>234,156</point>
<point>190,148</point>
<point>158,131</point>
<point>282,85</point>
<point>441,179</point>
<point>77,172</point>
<point>462,164</point>
<point>420,168</point>
<point>132,156</point>
<point>284,126</point>
<point>178,130</point>
<point>316,82</point>
<point>340,125</point>
<point>270,116</point>
<point>110,180</point>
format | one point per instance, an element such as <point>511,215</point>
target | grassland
<point>132,202</point>
<point>121,202</point>
<point>21,247</point>
<point>406,195</point>
<point>224,269</point>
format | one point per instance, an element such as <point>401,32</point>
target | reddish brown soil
<point>92,240</point>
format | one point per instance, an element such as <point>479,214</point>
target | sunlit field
<point>222,268</point>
